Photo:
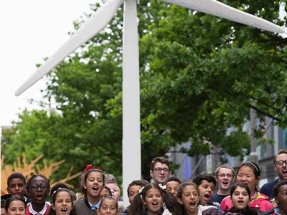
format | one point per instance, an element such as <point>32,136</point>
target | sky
<point>31,30</point>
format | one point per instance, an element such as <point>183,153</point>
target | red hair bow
<point>88,167</point>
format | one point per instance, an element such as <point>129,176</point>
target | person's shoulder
<point>269,184</point>
<point>269,212</point>
<point>226,200</point>
<point>263,196</point>
<point>206,209</point>
<point>214,211</point>
<point>217,198</point>
<point>79,202</point>
<point>262,203</point>
<point>226,203</point>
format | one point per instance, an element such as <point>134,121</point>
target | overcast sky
<point>30,31</point>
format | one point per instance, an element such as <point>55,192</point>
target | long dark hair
<point>84,179</point>
<point>14,198</point>
<point>138,208</point>
<point>180,191</point>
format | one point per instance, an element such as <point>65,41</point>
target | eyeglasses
<point>158,169</point>
<point>280,163</point>
<point>225,175</point>
<point>37,186</point>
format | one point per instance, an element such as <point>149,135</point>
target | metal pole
<point>253,155</point>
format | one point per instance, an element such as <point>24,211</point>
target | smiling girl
<point>189,198</point>
<point>108,206</point>
<point>151,200</point>
<point>15,205</point>
<point>92,183</point>
<point>62,202</point>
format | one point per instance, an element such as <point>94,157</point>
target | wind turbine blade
<point>219,9</point>
<point>95,24</point>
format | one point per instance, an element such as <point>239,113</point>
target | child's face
<point>115,190</point>
<point>153,201</point>
<point>205,191</point>
<point>189,199</point>
<point>38,190</point>
<point>172,187</point>
<point>281,199</point>
<point>105,193</point>
<point>108,207</point>
<point>94,180</point>
<point>133,191</point>
<point>63,203</point>
<point>16,207</point>
<point>240,198</point>
<point>16,187</point>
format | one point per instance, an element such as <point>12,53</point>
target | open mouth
<point>240,202</point>
<point>155,205</point>
<point>207,195</point>
<point>39,197</point>
<point>95,188</point>
<point>192,205</point>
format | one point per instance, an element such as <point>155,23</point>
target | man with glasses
<point>280,166</point>
<point>224,175</point>
<point>159,170</point>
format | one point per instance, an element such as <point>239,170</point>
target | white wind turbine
<point>131,99</point>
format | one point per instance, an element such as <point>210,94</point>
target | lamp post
<point>253,155</point>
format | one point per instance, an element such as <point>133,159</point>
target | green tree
<point>205,73</point>
<point>200,75</point>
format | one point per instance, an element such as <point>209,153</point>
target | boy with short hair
<point>206,184</point>
<point>16,185</point>
<point>133,189</point>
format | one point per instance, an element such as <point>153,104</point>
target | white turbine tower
<point>131,100</point>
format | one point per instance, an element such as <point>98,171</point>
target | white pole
<point>131,98</point>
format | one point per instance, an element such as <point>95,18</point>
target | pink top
<point>31,211</point>
<point>260,202</point>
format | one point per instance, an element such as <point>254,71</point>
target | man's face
<point>280,166</point>
<point>160,172</point>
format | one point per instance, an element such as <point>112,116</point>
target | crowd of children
<point>237,193</point>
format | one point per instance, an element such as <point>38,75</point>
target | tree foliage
<point>200,75</point>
